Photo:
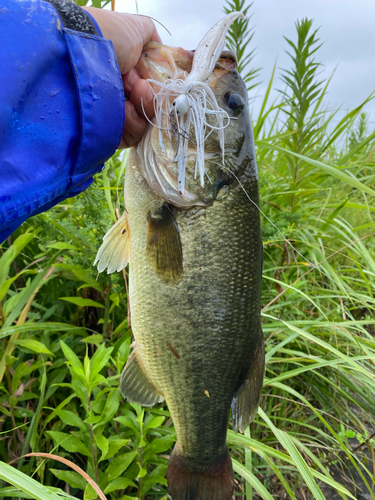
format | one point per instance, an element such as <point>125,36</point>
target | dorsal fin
<point>115,249</point>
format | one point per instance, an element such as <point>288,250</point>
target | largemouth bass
<point>195,265</point>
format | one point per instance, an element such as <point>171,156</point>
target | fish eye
<point>234,102</point>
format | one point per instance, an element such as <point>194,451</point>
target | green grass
<point>65,335</point>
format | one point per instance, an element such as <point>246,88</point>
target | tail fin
<point>189,481</point>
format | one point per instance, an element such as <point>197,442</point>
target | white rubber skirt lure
<point>180,104</point>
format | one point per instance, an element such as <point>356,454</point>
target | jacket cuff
<point>101,102</point>
<point>75,18</point>
<point>94,22</point>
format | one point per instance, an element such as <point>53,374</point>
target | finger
<point>129,80</point>
<point>141,96</point>
<point>129,34</point>
<point>155,36</point>
<point>135,127</point>
<point>137,31</point>
<point>148,24</point>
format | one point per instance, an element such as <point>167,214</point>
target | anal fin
<point>246,399</point>
<point>115,249</point>
<point>164,249</point>
<point>135,384</point>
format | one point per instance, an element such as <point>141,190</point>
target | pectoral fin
<point>115,249</point>
<point>246,400</point>
<point>135,384</point>
<point>164,248</point>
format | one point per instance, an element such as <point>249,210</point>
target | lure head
<point>181,105</point>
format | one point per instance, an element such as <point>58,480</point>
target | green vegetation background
<point>65,332</point>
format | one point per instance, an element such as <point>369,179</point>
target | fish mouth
<point>160,62</point>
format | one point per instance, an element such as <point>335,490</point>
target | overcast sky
<point>347,28</point>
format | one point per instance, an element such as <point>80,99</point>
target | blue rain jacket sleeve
<point>62,109</point>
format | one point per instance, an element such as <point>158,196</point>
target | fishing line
<point>149,17</point>
<point>313,266</point>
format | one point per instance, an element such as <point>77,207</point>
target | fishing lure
<point>181,103</point>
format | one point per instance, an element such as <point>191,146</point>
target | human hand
<point>129,33</point>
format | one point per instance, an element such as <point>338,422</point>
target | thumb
<point>129,33</point>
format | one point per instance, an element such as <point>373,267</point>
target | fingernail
<point>149,95</point>
<point>129,80</point>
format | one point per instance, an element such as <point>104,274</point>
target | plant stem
<point>140,479</point>
<point>106,311</point>
<point>30,437</point>
<point>93,448</point>
<point>249,466</point>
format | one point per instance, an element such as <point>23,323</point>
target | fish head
<point>225,162</point>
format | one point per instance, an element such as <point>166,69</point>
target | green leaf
<point>34,345</point>
<point>95,339</point>
<point>93,419</point>
<point>69,418</point>
<point>72,357</point>
<point>81,274</point>
<point>156,476</point>
<point>111,406</point>
<point>4,287</point>
<point>251,479</point>
<point>79,301</point>
<point>300,463</point>
<point>357,148</point>
<point>10,492</point>
<point>60,407</point>
<point>11,253</point>
<point>348,179</point>
<point>69,442</point>
<point>90,493</point>
<point>74,479</point>
<point>129,421</point>
<point>106,183</point>
<point>155,422</point>
<point>99,360</point>
<point>114,297</point>
<point>158,445</point>
<point>25,483</point>
<point>27,294</point>
<point>62,245</point>
<point>262,115</point>
<point>80,389</point>
<point>119,465</point>
<point>97,3</point>
<point>30,326</point>
<point>142,472</point>
<point>115,446</point>
<point>120,483</point>
<point>103,445</point>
